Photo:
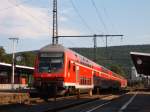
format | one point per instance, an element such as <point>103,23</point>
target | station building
<point>141,62</point>
<point>134,75</point>
<point>23,76</point>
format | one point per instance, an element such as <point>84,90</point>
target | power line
<point>106,13</point>
<point>99,15</point>
<point>81,18</point>
<point>108,16</point>
<point>15,5</point>
<point>29,14</point>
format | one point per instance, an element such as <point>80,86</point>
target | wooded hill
<point>115,56</point>
<point>111,56</point>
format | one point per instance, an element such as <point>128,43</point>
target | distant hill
<point>115,55</point>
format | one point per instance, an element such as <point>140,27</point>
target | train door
<point>77,75</point>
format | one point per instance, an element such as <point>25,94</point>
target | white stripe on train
<point>78,86</point>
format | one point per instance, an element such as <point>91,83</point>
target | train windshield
<point>50,62</point>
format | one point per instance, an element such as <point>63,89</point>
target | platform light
<point>139,61</point>
<point>13,60</point>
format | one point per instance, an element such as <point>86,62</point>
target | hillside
<point>115,55</point>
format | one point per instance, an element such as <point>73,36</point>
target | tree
<point>27,59</point>
<point>2,54</point>
<point>117,69</point>
<point>2,51</point>
<point>4,57</point>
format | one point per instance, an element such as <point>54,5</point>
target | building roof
<point>18,66</point>
<point>141,62</point>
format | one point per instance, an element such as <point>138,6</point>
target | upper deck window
<point>47,54</point>
<point>50,62</point>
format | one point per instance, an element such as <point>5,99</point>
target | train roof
<point>53,48</point>
<point>61,48</point>
<point>18,66</point>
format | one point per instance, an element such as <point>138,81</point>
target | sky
<point>31,22</point>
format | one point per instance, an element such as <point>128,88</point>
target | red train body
<point>58,69</point>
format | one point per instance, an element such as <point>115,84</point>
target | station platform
<point>4,87</point>
<point>18,95</point>
<point>13,97</point>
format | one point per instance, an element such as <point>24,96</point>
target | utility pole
<point>55,24</point>
<point>13,61</point>
<point>95,48</point>
<point>106,42</point>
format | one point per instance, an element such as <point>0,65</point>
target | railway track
<point>108,97</point>
<point>61,103</point>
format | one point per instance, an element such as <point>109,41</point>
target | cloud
<point>26,21</point>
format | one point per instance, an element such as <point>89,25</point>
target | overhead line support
<point>55,24</point>
<point>88,35</point>
<point>95,40</point>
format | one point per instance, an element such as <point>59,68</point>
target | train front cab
<point>48,74</point>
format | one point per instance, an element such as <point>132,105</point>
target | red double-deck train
<point>59,70</point>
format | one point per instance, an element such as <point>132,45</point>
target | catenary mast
<point>55,24</point>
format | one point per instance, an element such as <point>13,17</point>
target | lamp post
<point>13,60</point>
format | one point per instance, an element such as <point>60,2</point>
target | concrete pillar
<point>78,93</point>
<point>97,91</point>
<point>55,93</point>
<point>90,92</point>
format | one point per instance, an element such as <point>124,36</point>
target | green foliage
<point>3,56</point>
<point>27,58</point>
<point>115,55</point>
<point>2,51</point>
<point>116,58</point>
<point>117,69</point>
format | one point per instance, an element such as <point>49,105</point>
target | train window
<point>76,55</point>
<point>74,68</point>
<point>69,65</point>
<point>56,65</point>
<point>50,64</point>
<point>87,80</point>
<point>81,81</point>
<point>90,81</point>
<point>51,54</point>
<point>84,81</point>
<point>44,67</point>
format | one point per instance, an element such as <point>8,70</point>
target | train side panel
<point>77,74</point>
